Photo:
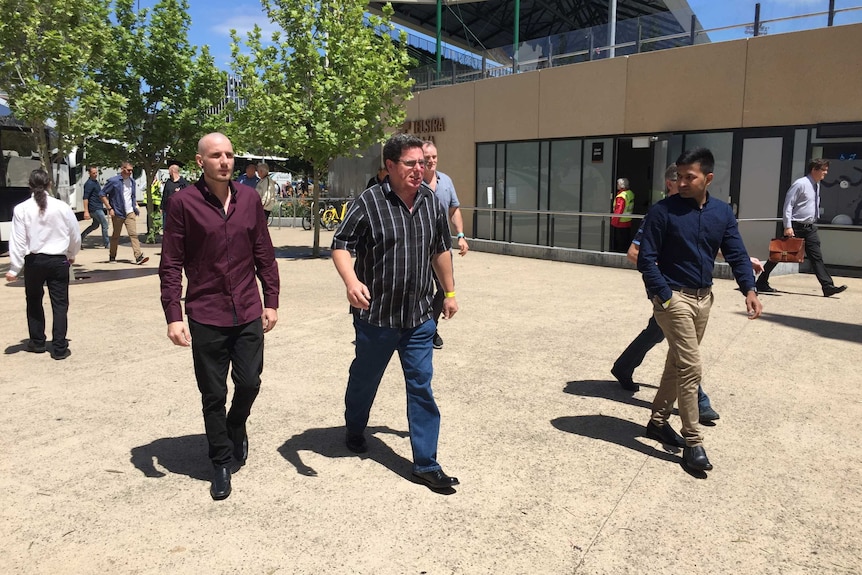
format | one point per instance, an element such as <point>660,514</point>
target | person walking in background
<point>249,178</point>
<point>95,207</point>
<point>631,358</point>
<point>123,209</point>
<point>44,242</point>
<point>801,211</point>
<point>399,233</point>
<point>266,189</point>
<point>217,233</point>
<point>682,235</point>
<point>378,179</point>
<point>444,189</point>
<point>621,224</point>
<point>173,184</point>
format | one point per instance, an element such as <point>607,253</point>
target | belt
<point>696,292</point>
<point>803,225</point>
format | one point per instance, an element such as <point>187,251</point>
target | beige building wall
<point>588,99</point>
<point>790,79</point>
<point>682,89</point>
<point>806,77</point>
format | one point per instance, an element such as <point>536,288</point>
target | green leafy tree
<point>169,91</point>
<point>327,87</point>
<point>50,48</point>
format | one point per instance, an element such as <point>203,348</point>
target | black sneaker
<point>112,260</point>
<point>140,260</point>
<point>438,341</point>
<point>765,288</point>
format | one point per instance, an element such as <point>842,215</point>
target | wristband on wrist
<point>460,235</point>
<point>449,294</point>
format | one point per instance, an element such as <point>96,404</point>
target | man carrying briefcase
<point>801,210</point>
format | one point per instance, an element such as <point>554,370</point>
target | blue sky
<point>213,19</point>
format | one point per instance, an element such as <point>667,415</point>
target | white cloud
<point>244,23</point>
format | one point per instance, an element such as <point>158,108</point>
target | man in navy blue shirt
<point>681,238</point>
<point>95,207</point>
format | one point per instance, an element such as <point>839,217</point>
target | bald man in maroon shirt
<point>217,234</point>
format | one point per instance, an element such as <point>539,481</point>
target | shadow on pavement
<point>301,252</point>
<point>824,328</point>
<point>613,430</point>
<point>607,389</point>
<point>186,455</point>
<point>329,442</point>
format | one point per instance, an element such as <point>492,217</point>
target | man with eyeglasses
<point>120,191</point>
<point>801,211</point>
<point>400,235</point>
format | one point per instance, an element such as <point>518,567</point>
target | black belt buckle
<point>696,292</point>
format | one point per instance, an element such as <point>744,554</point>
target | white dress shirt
<point>53,232</point>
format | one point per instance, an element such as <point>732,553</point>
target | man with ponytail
<point>45,240</point>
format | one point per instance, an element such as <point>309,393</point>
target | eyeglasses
<point>412,163</point>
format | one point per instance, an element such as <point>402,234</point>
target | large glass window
<point>522,189</point>
<point>597,193</point>
<point>485,184</point>
<point>565,191</point>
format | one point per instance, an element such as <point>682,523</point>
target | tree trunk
<point>315,250</point>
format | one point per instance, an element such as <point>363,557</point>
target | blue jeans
<point>634,355</point>
<point>374,349</point>
<point>99,219</point>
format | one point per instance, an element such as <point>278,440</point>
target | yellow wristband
<point>449,294</point>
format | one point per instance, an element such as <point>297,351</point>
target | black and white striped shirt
<point>394,247</point>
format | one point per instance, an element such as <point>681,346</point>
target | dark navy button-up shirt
<point>92,195</point>
<point>394,247</point>
<point>221,254</point>
<point>680,242</point>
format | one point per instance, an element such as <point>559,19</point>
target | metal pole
<point>517,36</point>
<point>612,25</point>
<point>831,12</point>
<point>640,34</point>
<point>757,19</point>
<point>439,38</point>
<point>693,31</point>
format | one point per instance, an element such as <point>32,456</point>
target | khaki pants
<point>130,222</point>
<point>683,324</point>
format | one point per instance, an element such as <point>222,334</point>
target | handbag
<point>790,250</point>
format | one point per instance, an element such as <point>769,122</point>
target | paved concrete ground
<point>105,468</point>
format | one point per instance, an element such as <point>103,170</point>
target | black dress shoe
<point>665,434</point>
<point>765,288</point>
<point>625,380</point>
<point>356,442</point>
<point>832,290</point>
<point>220,488</point>
<point>708,415</point>
<point>34,347</point>
<point>240,443</point>
<point>695,458</point>
<point>436,479</point>
<point>60,355</point>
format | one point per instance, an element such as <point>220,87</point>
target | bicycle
<point>307,222</point>
<point>332,217</point>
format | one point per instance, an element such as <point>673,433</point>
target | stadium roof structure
<point>488,24</point>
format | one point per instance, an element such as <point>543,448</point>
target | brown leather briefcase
<point>790,250</point>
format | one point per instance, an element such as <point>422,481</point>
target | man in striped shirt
<point>400,234</point>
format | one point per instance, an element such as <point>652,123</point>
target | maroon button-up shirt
<point>221,254</point>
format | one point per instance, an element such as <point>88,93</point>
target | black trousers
<point>807,232</point>
<point>621,238</point>
<point>214,350</point>
<point>53,271</point>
